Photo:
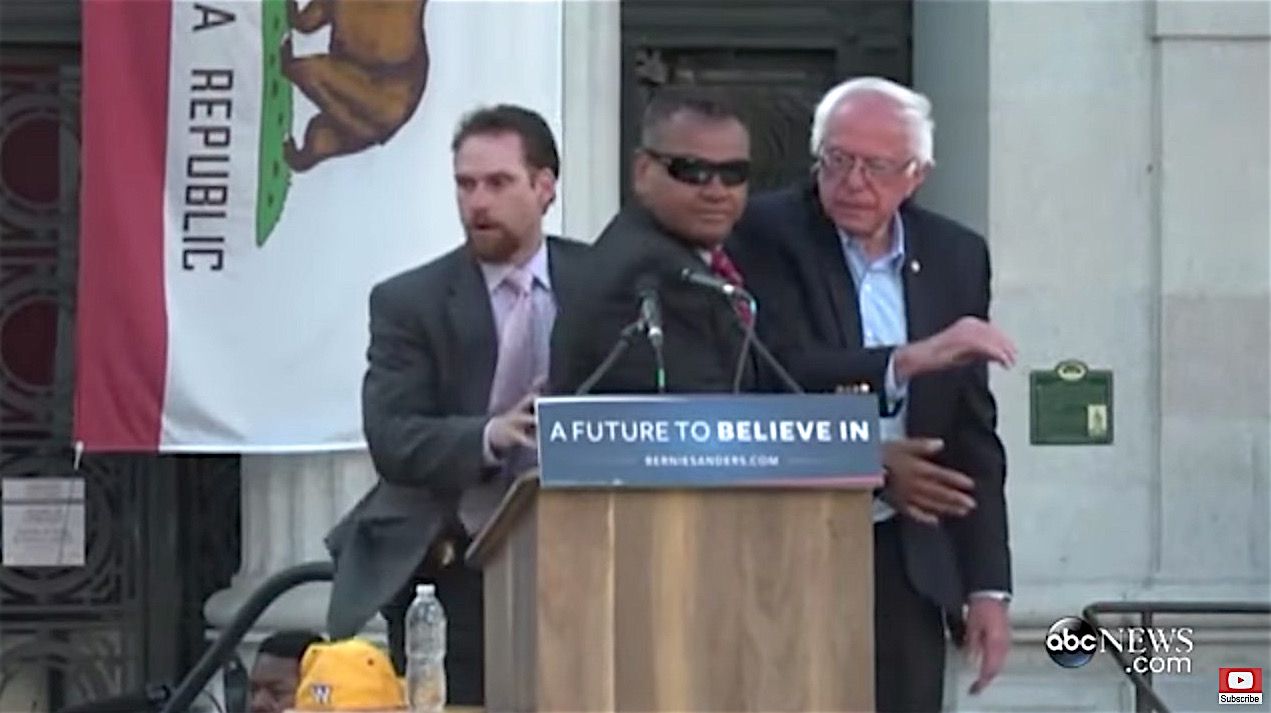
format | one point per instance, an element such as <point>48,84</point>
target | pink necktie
<point>514,370</point>
<point>513,377</point>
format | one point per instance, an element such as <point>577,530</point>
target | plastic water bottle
<point>426,652</point>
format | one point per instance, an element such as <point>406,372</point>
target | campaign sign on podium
<point>636,572</point>
<point>690,441</point>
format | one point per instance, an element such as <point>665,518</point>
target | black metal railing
<point>227,643</point>
<point>1146,700</point>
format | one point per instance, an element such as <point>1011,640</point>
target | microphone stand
<point>748,327</point>
<point>619,348</point>
<point>752,339</point>
<point>787,380</point>
<point>660,365</point>
<point>733,293</point>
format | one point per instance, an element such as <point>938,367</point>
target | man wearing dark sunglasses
<point>690,179</point>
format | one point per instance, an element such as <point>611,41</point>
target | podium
<point>748,596</point>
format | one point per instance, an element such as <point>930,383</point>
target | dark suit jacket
<point>702,340</point>
<point>431,361</point>
<point>809,314</point>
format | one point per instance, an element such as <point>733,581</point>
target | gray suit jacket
<point>431,362</point>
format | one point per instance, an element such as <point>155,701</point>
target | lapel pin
<point>914,266</point>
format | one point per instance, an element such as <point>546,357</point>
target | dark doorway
<point>774,58</point>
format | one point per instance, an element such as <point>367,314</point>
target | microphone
<point>650,309</point>
<point>651,319</point>
<point>711,282</point>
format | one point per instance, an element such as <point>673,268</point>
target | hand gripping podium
<point>686,554</point>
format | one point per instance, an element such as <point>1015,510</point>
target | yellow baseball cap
<point>348,675</point>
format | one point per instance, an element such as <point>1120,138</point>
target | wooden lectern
<point>756,598</point>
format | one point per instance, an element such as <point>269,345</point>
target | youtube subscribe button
<point>1240,685</point>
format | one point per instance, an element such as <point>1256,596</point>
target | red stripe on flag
<point>121,353</point>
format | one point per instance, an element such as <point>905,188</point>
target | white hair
<point>914,107</point>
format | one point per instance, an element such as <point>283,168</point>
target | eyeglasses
<point>699,172</point>
<point>839,164</point>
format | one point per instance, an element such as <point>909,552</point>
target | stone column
<point>289,504</point>
<point>590,147</point>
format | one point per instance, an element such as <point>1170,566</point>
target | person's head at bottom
<point>276,671</point>
<point>693,166</point>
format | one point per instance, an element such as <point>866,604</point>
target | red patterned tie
<point>723,266</point>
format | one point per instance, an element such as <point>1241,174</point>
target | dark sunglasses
<point>699,172</point>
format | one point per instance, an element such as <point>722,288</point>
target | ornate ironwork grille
<point>774,58</point>
<point>161,533</point>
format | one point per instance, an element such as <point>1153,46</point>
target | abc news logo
<point>1072,642</point>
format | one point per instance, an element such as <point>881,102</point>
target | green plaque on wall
<point>1070,405</point>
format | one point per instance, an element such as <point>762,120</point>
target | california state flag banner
<point>251,168</point>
